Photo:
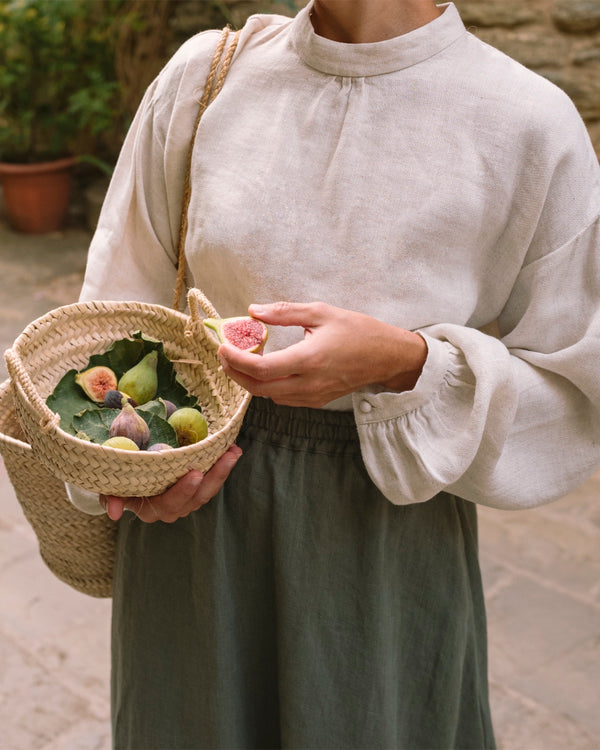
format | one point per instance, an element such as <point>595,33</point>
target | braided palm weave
<point>79,549</point>
<point>66,337</point>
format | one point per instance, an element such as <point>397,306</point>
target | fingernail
<point>234,458</point>
<point>257,310</point>
<point>196,477</point>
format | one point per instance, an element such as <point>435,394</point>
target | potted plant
<point>59,98</point>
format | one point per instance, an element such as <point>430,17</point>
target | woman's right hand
<point>189,493</point>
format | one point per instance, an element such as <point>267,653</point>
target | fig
<point>189,425</point>
<point>170,407</point>
<point>114,399</point>
<point>141,381</point>
<point>244,332</point>
<point>96,381</point>
<point>155,447</point>
<point>129,424</point>
<point>124,443</point>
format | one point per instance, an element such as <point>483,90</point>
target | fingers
<point>279,364</point>
<point>116,506</point>
<point>282,363</point>
<point>191,492</point>
<point>218,473</point>
<point>303,314</point>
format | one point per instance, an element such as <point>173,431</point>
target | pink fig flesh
<point>96,382</point>
<point>244,332</point>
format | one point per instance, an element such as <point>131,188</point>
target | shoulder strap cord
<point>214,83</point>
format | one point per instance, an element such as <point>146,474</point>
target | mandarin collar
<point>374,58</point>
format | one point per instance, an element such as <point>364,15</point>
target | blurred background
<point>72,73</point>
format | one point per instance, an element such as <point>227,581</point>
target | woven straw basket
<point>39,456</point>
<point>79,549</point>
<point>66,337</point>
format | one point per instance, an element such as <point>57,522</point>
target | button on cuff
<point>365,407</point>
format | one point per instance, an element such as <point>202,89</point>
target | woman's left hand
<point>341,352</point>
<point>189,493</point>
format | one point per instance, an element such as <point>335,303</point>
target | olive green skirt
<point>301,609</point>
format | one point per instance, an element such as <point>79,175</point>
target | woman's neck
<point>363,21</point>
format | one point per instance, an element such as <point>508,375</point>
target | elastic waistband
<point>302,423</point>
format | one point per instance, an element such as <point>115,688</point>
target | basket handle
<point>212,86</point>
<point>20,376</point>
<point>200,306</point>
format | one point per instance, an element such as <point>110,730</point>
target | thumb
<point>114,507</point>
<point>305,314</point>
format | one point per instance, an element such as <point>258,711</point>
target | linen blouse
<point>427,180</point>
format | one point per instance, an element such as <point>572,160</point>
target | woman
<point>380,185</point>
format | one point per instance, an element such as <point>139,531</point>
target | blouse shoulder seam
<point>570,241</point>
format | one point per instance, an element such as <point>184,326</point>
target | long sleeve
<point>133,253</point>
<point>511,422</point>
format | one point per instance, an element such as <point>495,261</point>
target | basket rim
<point>31,334</point>
<point>146,456</point>
<point>108,306</point>
<point>8,439</point>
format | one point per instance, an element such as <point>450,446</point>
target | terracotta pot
<point>37,196</point>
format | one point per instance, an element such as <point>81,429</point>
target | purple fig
<point>156,447</point>
<point>114,399</point>
<point>170,407</point>
<point>129,424</point>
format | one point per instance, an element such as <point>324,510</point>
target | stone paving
<point>541,572</point>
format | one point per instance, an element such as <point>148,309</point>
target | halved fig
<point>244,332</point>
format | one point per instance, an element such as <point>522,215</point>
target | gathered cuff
<point>372,404</point>
<point>418,443</point>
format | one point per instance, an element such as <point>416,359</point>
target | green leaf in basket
<point>69,400</point>
<point>95,423</point>
<point>157,406</point>
<point>126,353</point>
<point>122,355</point>
<point>160,430</point>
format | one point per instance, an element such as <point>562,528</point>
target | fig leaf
<point>67,399</point>
<point>95,423</point>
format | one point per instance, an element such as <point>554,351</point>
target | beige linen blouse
<point>429,181</point>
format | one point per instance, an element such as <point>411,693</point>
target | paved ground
<point>541,571</point>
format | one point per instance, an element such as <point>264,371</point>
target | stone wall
<point>560,39</point>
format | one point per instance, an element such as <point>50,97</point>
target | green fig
<point>121,442</point>
<point>189,425</point>
<point>129,424</point>
<point>141,381</point>
<point>96,382</point>
<point>244,332</point>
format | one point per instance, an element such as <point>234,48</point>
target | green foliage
<point>79,416</point>
<point>59,89</point>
